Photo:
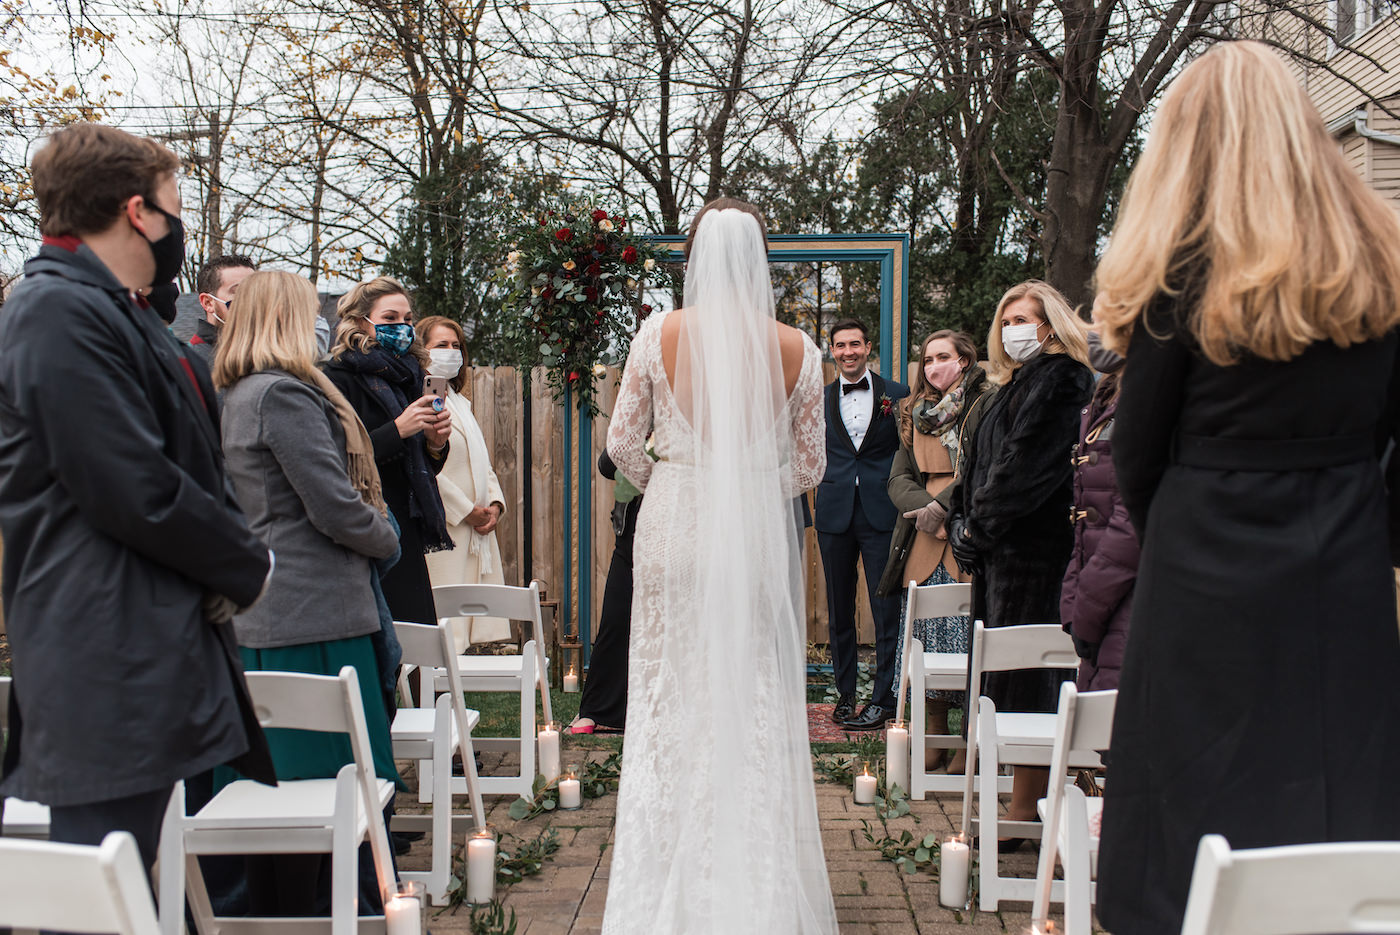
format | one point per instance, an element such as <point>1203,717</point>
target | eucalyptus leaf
<point>921,854</point>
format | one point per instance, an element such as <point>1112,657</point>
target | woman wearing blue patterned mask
<point>378,363</point>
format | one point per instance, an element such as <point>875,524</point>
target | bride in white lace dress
<point>716,818</point>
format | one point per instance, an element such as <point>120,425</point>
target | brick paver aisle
<point>872,896</point>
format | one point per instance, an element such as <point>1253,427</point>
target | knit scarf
<point>359,452</point>
<point>395,382</point>
<point>936,418</point>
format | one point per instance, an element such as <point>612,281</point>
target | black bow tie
<point>862,384</point>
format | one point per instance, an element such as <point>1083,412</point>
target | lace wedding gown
<point>716,816</point>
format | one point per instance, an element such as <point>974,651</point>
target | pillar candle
<point>897,756</point>
<point>403,909</point>
<point>570,681</point>
<point>481,869</point>
<point>549,751</point>
<point>954,865</point>
<point>865,789</point>
<point>570,793</point>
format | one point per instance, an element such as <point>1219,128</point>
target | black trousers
<point>140,814</point>
<point>840,551</point>
<point>604,698</point>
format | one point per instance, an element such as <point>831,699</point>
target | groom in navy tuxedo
<point>855,517</point>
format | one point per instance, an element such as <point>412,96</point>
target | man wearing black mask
<point>124,549</point>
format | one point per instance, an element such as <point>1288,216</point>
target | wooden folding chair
<point>1300,889</point>
<point>305,816</point>
<point>76,887</point>
<point>523,674</point>
<point>431,736</point>
<point>19,818</point>
<point>1010,738</point>
<point>1084,723</point>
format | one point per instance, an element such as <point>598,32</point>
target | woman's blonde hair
<point>1242,199</point>
<point>272,328</point>
<point>425,328</point>
<point>1067,330</point>
<point>355,306</point>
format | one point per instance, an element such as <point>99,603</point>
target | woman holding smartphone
<point>378,363</point>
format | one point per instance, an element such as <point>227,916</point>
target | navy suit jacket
<point>836,495</point>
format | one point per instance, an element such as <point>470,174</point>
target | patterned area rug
<point>820,728</point>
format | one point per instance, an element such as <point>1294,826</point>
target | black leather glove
<point>1086,650</point>
<point>964,549</point>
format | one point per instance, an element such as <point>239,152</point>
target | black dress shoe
<point>845,707</point>
<point>871,717</point>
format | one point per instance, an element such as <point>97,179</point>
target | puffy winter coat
<point>1096,599</point>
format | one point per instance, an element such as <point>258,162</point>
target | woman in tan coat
<point>471,494</point>
<point>935,424</point>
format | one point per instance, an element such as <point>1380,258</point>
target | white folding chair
<point>1300,889</point>
<point>921,672</point>
<point>1085,724</point>
<point>431,735</point>
<point>19,818</point>
<point>316,816</point>
<point>524,673</point>
<point>76,887</point>
<point>1011,738</point>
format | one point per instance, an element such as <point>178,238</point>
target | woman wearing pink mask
<point>936,424</point>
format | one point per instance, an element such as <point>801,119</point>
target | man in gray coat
<point>125,554</point>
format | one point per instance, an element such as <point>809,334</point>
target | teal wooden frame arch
<point>891,251</point>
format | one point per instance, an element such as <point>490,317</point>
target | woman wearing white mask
<point>936,425</point>
<point>1009,512</point>
<point>471,494</point>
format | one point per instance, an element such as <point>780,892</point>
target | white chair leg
<point>442,805</point>
<point>528,731</point>
<point>473,783</point>
<point>198,897</point>
<point>1074,857</point>
<point>918,726</point>
<point>989,878</point>
<point>172,865</point>
<point>345,863</point>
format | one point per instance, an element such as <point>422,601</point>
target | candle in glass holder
<point>865,786</point>
<point>570,792</point>
<point>954,869</point>
<point>403,909</point>
<point>571,681</point>
<point>897,756</point>
<point>481,866</point>
<point>549,751</point>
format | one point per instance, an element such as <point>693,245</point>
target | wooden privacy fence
<point>498,401</point>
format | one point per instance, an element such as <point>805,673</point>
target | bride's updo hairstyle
<point>724,204</point>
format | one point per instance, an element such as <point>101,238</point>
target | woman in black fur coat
<point>1010,511</point>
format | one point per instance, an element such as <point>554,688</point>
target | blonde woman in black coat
<point>1254,281</point>
<point>1010,508</point>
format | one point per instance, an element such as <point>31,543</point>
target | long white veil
<point>769,874</point>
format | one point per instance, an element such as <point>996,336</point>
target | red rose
<point>548,292</point>
<point>594,269</point>
<point>646,309</point>
<point>564,234</point>
<point>600,215</point>
<point>629,255</point>
<point>573,375</point>
<point>620,221</point>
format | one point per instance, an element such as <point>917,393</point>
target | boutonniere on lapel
<point>886,405</point>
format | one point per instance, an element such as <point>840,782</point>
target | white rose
<point>649,265</point>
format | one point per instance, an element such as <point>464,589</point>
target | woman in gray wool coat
<point>303,470</point>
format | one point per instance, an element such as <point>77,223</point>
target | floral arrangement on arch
<point>577,277</point>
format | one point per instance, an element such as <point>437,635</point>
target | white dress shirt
<point>856,407</point>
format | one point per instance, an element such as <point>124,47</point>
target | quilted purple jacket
<point>1097,595</point>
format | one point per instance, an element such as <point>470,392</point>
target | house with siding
<point>1351,70</point>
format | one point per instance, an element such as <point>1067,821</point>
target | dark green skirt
<point>306,754</point>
